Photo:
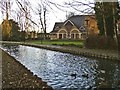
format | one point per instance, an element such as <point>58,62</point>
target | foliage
<point>15,34</point>
<point>99,17</point>
<point>107,14</point>
<point>100,42</point>
<point>5,27</point>
<point>104,11</point>
<point>22,35</point>
<point>10,30</point>
<point>117,11</point>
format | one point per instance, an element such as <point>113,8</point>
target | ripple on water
<point>56,68</point>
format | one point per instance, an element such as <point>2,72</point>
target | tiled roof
<point>77,20</point>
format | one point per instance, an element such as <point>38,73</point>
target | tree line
<point>106,13</point>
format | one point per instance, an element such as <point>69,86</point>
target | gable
<point>82,29</point>
<point>68,22</point>
<point>68,25</point>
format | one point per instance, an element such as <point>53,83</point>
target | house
<point>76,27</point>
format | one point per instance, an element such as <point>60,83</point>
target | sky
<point>53,15</point>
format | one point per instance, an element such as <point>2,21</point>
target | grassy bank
<point>58,42</point>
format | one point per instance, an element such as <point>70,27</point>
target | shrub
<point>100,42</point>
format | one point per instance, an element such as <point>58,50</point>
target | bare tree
<point>70,14</point>
<point>22,7</point>
<point>84,7</point>
<point>6,25</point>
<point>42,11</point>
<point>5,8</point>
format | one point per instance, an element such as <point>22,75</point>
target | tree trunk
<point>115,29</point>
<point>45,22</point>
<point>104,22</point>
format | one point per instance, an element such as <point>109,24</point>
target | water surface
<point>56,68</point>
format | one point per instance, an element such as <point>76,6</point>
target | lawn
<point>58,42</point>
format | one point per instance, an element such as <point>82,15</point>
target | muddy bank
<point>16,76</point>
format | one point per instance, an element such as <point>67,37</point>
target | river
<point>63,70</point>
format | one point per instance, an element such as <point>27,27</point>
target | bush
<point>100,42</point>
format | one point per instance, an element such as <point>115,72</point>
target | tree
<point>10,30</point>
<point>6,29</point>
<point>100,17</point>
<point>42,11</point>
<point>83,7</point>
<point>5,26</point>
<point>70,14</point>
<point>6,7</point>
<point>105,17</point>
<point>15,34</point>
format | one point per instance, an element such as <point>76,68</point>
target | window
<point>64,35</point>
<point>86,22</point>
<point>77,36</point>
<point>82,28</point>
<point>60,36</point>
<point>72,36</point>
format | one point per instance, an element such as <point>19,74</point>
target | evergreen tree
<point>99,17</point>
<point>104,11</point>
<point>15,34</point>
<point>10,30</point>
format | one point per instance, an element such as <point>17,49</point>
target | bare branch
<point>58,6</point>
<point>76,5</point>
<point>22,8</point>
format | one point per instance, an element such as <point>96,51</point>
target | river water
<point>58,68</point>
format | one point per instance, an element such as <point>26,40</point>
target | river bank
<point>93,53</point>
<point>17,76</point>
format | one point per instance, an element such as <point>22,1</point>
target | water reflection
<point>56,68</point>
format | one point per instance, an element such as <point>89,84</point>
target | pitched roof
<point>78,20</point>
<point>57,26</point>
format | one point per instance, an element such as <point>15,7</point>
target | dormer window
<point>82,28</point>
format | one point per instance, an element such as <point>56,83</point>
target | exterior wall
<point>92,26</point>
<point>53,36</point>
<point>83,35</point>
<point>62,34</point>
<point>75,34</point>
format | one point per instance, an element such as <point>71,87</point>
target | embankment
<point>18,77</point>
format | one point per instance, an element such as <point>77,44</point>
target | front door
<point>60,36</point>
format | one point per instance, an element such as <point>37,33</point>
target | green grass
<point>58,42</point>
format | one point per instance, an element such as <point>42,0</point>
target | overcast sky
<point>53,15</point>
